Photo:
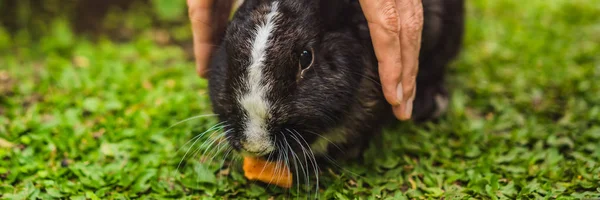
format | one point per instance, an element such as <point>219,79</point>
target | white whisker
<point>188,119</point>
<point>314,162</point>
<point>276,165</point>
<point>305,156</point>
<point>230,149</point>
<point>219,147</point>
<point>213,141</point>
<point>214,127</point>
<point>268,159</point>
<point>295,163</point>
<point>186,153</point>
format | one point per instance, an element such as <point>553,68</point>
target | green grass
<point>87,120</point>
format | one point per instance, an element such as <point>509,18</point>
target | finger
<point>404,110</point>
<point>411,23</point>
<point>384,27</point>
<point>208,19</point>
<point>200,17</point>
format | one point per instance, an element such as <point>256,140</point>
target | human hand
<point>208,19</point>
<point>396,27</point>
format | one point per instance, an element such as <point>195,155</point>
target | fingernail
<point>408,108</point>
<point>399,93</point>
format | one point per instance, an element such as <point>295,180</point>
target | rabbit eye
<point>306,59</point>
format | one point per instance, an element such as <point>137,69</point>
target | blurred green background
<point>28,21</point>
<point>90,89</point>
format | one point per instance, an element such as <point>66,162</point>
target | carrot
<point>265,171</point>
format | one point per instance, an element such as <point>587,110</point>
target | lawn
<point>106,119</point>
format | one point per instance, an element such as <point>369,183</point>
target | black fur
<point>341,93</point>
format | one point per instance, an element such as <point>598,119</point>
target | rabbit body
<point>301,75</point>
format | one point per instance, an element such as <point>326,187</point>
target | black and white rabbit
<point>301,75</point>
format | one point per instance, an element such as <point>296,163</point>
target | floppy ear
<point>220,16</point>
<point>331,12</point>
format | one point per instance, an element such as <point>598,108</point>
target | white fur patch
<point>254,102</point>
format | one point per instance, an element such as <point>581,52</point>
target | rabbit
<point>293,79</point>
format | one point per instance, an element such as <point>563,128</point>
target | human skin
<point>395,27</point>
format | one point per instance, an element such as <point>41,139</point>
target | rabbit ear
<point>222,10</point>
<point>331,12</point>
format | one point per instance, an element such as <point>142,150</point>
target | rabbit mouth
<point>258,154</point>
